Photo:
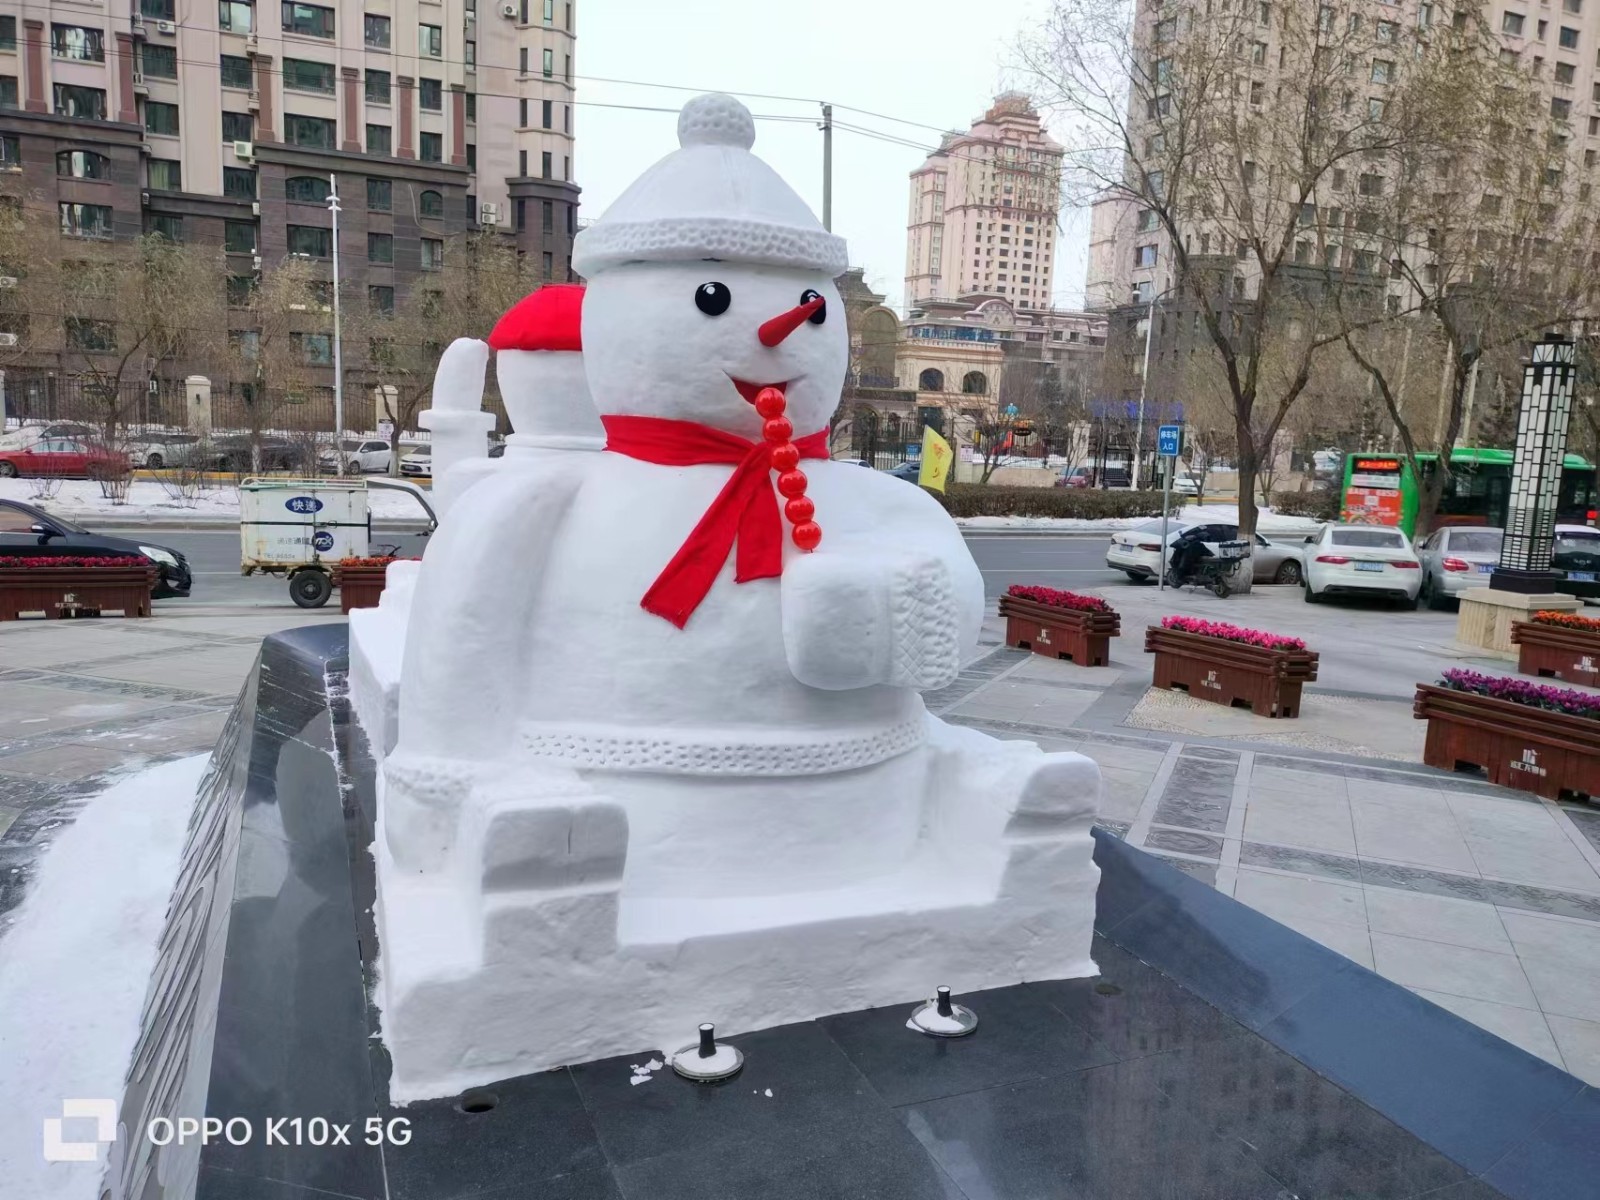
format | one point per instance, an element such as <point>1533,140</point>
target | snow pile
<point>74,967</point>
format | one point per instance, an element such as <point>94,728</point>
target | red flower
<point>1567,621</point>
<point>1059,599</point>
<point>1232,633</point>
<point>66,562</point>
<point>382,560</point>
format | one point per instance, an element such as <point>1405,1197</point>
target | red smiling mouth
<point>748,390</point>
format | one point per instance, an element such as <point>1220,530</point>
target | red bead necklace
<point>778,430</point>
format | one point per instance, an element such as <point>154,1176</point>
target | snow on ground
<point>149,500</point>
<point>74,966</point>
<point>1268,523</point>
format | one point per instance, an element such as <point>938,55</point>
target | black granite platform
<point>1219,1055</point>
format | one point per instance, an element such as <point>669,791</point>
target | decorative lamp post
<point>1548,378</point>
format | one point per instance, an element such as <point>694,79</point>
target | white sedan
<point>1362,560</point>
<point>1137,551</point>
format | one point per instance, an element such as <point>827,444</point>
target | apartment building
<point>983,211</point>
<point>219,122</point>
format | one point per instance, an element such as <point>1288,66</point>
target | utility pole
<point>1144,379</point>
<point>338,352</point>
<point>827,167</point>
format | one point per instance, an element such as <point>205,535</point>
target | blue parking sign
<point>1169,440</point>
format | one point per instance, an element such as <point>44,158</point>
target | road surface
<point>1061,561</point>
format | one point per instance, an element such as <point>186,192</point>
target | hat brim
<point>692,239</point>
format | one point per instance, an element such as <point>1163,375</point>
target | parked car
<point>1576,555</point>
<point>157,450</point>
<point>1455,558</point>
<point>27,435</point>
<point>232,453</point>
<point>418,462</point>
<point>1075,477</point>
<point>1138,553</point>
<point>1184,484</point>
<point>1116,477</point>
<point>909,471</point>
<point>31,532</point>
<point>64,459</point>
<point>1362,560</point>
<point>361,456</point>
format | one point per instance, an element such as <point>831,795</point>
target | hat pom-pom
<point>716,120</point>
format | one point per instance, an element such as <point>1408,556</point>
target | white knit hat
<point>710,198</point>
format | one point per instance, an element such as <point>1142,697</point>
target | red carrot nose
<point>774,331</point>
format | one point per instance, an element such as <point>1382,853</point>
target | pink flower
<point>1232,633</point>
<point>1059,599</point>
<point>1520,691</point>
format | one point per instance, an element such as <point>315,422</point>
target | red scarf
<point>745,509</point>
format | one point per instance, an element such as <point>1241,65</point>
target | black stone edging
<point>1526,1127</point>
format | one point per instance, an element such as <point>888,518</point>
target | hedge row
<point>987,500</point>
<point>1317,506</point>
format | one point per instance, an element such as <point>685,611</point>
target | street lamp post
<point>338,351</point>
<point>1144,380</point>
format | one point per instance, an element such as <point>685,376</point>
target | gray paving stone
<point>1185,842</point>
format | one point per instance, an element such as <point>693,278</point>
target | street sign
<point>1169,440</point>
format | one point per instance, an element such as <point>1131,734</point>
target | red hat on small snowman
<point>538,348</point>
<point>549,318</point>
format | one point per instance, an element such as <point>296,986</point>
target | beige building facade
<point>983,211</point>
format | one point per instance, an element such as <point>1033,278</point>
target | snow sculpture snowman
<point>662,755</point>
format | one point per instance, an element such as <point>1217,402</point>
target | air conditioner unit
<point>509,11</point>
<point>255,262</point>
<point>138,25</point>
<point>488,214</point>
<point>167,27</point>
<point>139,85</point>
<point>252,43</point>
<point>8,339</point>
<point>8,281</point>
<point>244,151</point>
<point>144,199</point>
<point>255,208</point>
<point>253,100</point>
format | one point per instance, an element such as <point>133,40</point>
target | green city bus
<point>1381,489</point>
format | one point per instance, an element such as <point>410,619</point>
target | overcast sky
<point>935,62</point>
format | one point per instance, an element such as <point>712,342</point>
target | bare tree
<point>286,337</point>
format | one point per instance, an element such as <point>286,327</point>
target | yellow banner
<point>936,456</point>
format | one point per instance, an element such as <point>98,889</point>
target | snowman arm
<point>458,380</point>
<point>896,605</point>
<point>467,653</point>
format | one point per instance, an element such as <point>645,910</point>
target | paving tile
<point>1579,1042</point>
<point>1317,822</point>
<point>1458,970</point>
<point>69,760</point>
<point>1205,872</point>
<point>1536,936</point>
<point>1420,833</point>
<point>1185,842</point>
<point>1351,941</point>
<point>1299,782</point>
<point>1287,898</point>
<point>1436,919</point>
<point>1309,862</point>
<point>1567,988</point>
<point>1522,1027</point>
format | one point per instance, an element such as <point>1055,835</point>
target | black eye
<point>713,298</point>
<point>821,315</point>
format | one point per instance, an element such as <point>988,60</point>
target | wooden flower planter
<point>1235,674</point>
<point>75,591</point>
<point>1572,655</point>
<point>1058,632</point>
<point>1518,746</point>
<point>359,587</point>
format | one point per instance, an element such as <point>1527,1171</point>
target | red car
<point>1077,477</point>
<point>62,458</point>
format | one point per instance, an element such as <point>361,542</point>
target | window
<point>522,113</point>
<point>569,18</point>
<point>236,16</point>
<point>1241,249</point>
<point>1248,172</point>
<point>165,226</point>
<point>567,69</point>
<point>472,106</point>
<point>302,75</point>
<point>307,189</point>
<point>313,349</point>
<point>8,33</point>
<point>1489,206</point>
<point>240,288</point>
<point>78,42</point>
<point>1370,185</point>
<point>430,147</point>
<point>239,237</point>
<point>1543,25</point>
<point>1387,30</point>
<point>375,31</point>
<point>430,41</point>
<point>246,343</point>
<point>239,183</point>
<point>380,195</point>
<point>1572,6</point>
<point>472,157</point>
<point>520,208</point>
<point>430,95</point>
<point>1568,38</point>
<point>86,220</point>
<point>432,254</point>
<point>308,19</point>
<point>1375,108</point>
<point>161,118</point>
<point>566,118</point>
<point>470,56</point>
<point>10,153</point>
<point>547,113</point>
<point>549,265</point>
<point>545,164</point>
<point>572,219</point>
<point>380,247</point>
<point>378,83</point>
<point>1512,23</point>
<point>549,12</point>
<point>235,71</point>
<point>522,164</point>
<point>1560,108</point>
<point>159,62</point>
<point>86,334</point>
<point>159,10</point>
<point>548,216</point>
<point>317,133</point>
<point>166,175</point>
<point>88,103</point>
<point>431,204</point>
<point>310,240</point>
<point>1258,54</point>
<point>82,164</point>
<point>522,61</point>
<point>379,140</point>
<point>380,299</point>
<point>549,63</point>
<point>8,91</point>
<point>1382,69</point>
<point>1258,93</point>
<point>1144,256</point>
<point>1565,72</point>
